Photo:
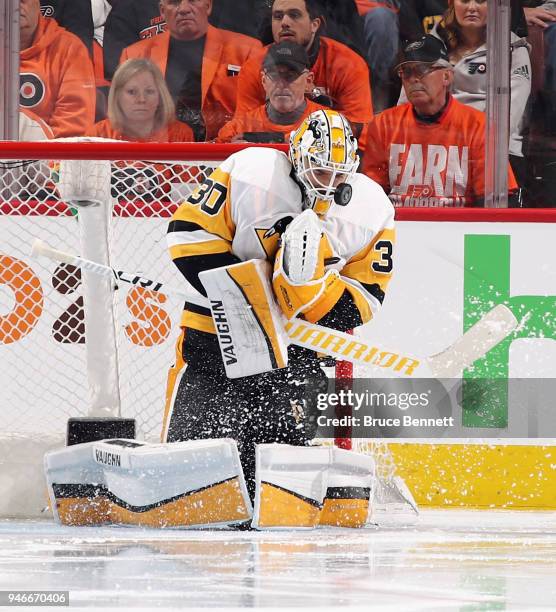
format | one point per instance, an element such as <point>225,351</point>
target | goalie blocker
<point>247,320</point>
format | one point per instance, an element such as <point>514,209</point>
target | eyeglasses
<point>287,75</point>
<point>418,70</point>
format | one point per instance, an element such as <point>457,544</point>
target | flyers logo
<point>31,90</point>
<point>47,10</point>
<point>476,68</point>
<point>415,45</point>
<point>421,191</point>
<point>270,237</point>
<point>421,170</point>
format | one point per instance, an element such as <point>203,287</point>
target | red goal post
<point>47,310</point>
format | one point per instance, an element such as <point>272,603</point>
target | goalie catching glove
<point>300,283</point>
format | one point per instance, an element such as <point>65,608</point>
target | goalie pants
<point>277,406</point>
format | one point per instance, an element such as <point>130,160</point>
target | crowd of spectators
<point>252,70</point>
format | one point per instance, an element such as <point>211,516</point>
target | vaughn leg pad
<point>307,487</point>
<point>185,484</point>
<point>290,485</point>
<point>349,488</point>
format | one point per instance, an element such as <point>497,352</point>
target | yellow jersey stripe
<point>198,321</point>
<point>199,248</point>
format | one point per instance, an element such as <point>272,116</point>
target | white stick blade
<point>40,248</point>
<point>475,343</point>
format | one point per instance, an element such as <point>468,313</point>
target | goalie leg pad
<point>248,322</point>
<point>349,489</point>
<point>186,484</point>
<point>314,486</point>
<point>173,379</point>
<point>291,483</point>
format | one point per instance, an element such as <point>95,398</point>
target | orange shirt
<point>339,73</point>
<point>257,121</point>
<point>225,53</point>
<point>429,164</point>
<point>57,80</point>
<point>173,132</point>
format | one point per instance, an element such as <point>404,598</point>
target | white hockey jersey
<point>247,202</point>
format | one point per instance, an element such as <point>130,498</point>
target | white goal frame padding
<point>101,355</point>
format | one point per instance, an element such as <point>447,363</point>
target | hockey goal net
<point>72,344</point>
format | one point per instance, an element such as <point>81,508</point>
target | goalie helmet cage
<point>73,344</point>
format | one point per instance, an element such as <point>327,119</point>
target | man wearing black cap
<point>431,150</point>
<point>341,76</point>
<point>286,78</point>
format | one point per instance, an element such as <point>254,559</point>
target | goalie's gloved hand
<point>300,283</point>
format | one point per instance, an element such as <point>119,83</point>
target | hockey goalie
<point>266,237</point>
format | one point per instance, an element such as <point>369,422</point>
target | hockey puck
<point>342,195</point>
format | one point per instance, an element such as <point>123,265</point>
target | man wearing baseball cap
<point>429,151</point>
<point>286,78</point>
<point>423,57</point>
<point>341,76</point>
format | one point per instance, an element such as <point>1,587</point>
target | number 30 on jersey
<point>212,194</point>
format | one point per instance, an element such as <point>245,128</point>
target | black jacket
<point>74,15</point>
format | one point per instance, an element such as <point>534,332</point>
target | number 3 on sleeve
<point>384,264</point>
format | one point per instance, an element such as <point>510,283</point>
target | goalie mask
<point>323,154</point>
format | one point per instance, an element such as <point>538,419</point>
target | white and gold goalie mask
<point>323,151</point>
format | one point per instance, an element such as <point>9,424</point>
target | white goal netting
<point>42,313</point>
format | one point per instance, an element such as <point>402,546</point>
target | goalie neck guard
<point>323,153</point>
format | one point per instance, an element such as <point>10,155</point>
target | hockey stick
<point>486,333</point>
<point>40,247</point>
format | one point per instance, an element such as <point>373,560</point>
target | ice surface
<point>449,560</point>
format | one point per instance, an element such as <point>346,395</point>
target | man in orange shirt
<point>431,150</point>
<point>56,74</point>
<point>286,78</point>
<point>200,64</point>
<point>341,76</point>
